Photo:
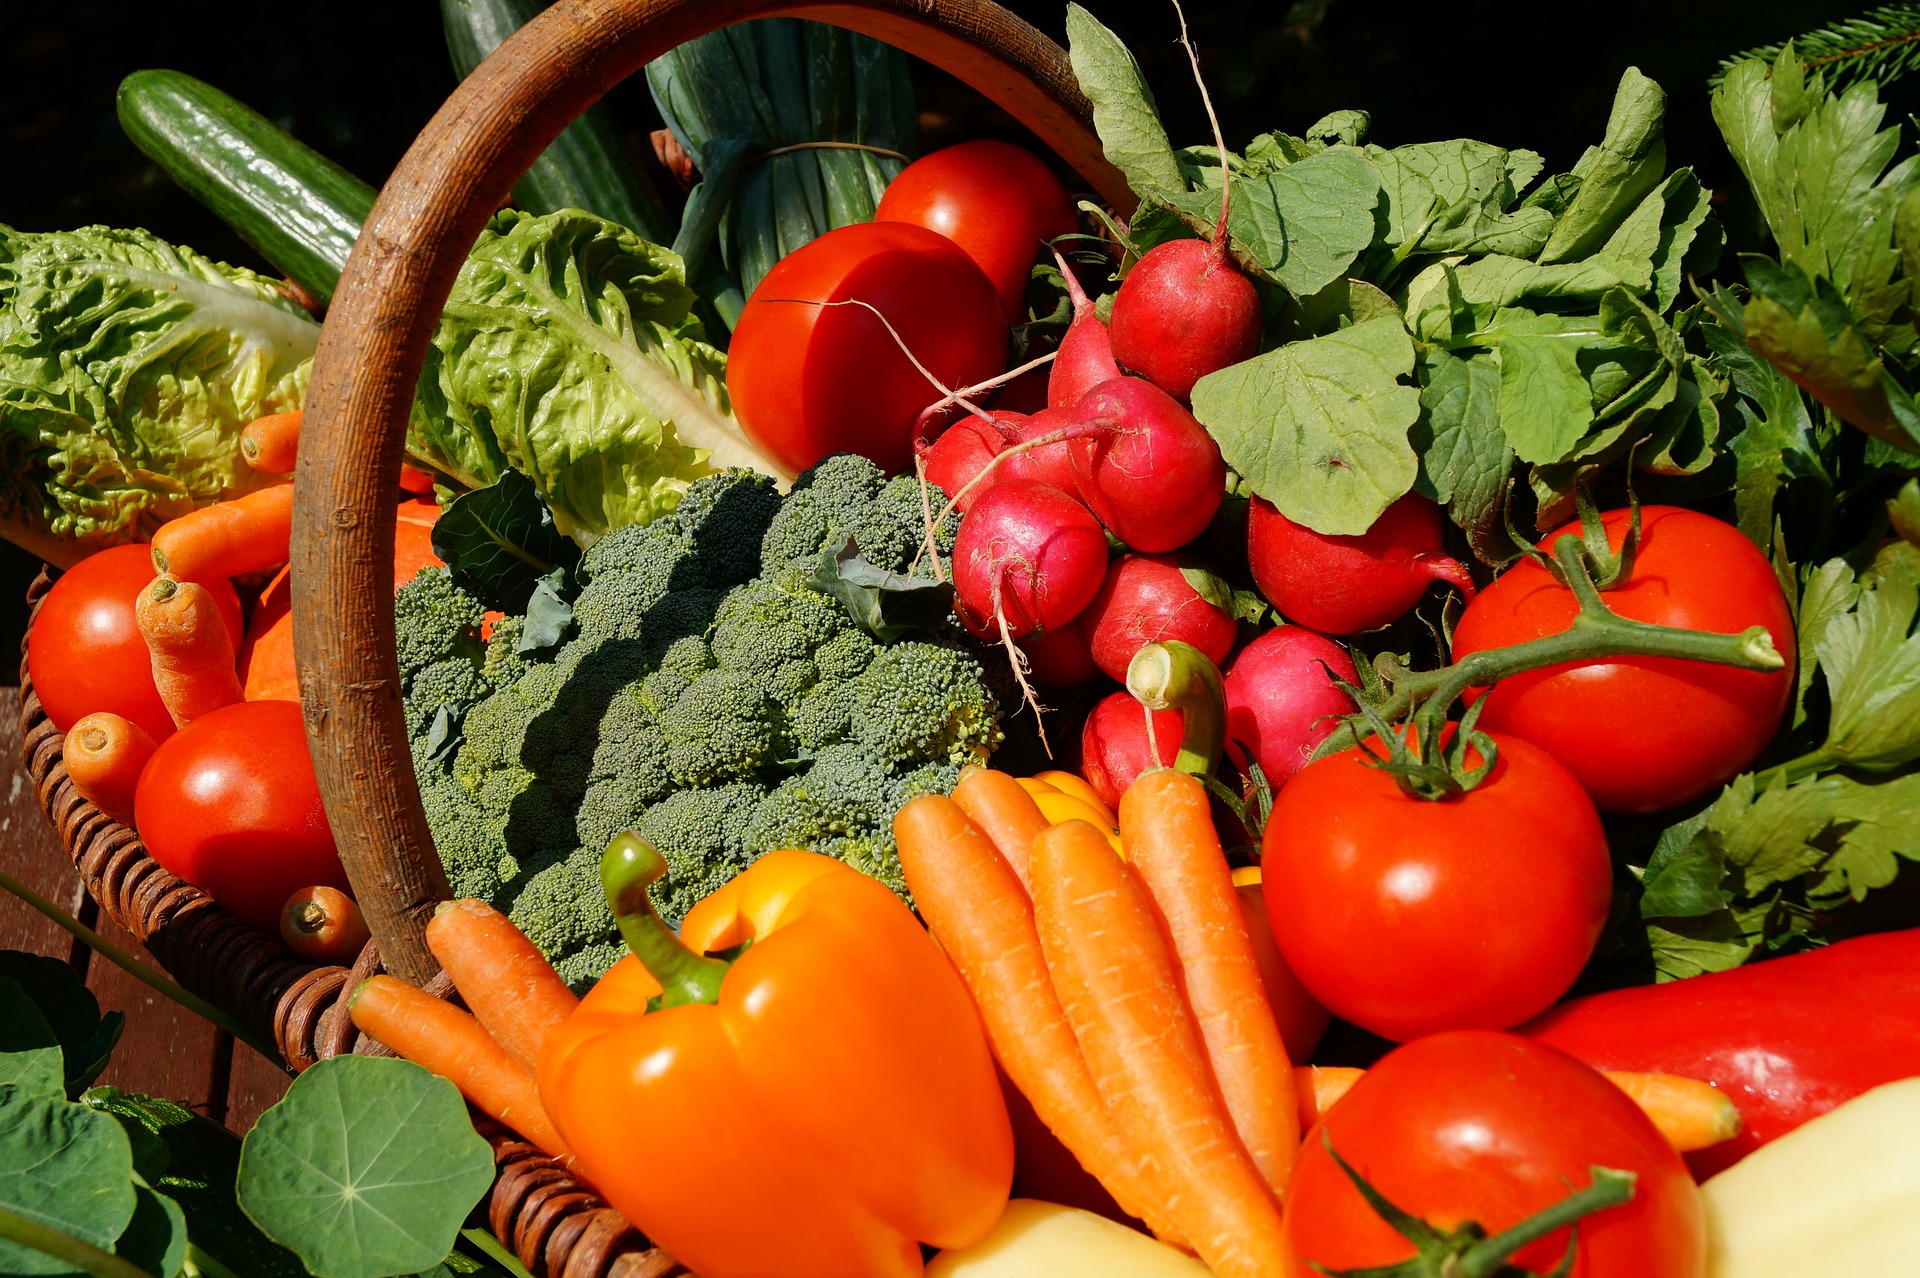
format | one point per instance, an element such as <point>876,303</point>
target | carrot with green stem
<point>978,911</point>
<point>271,444</point>
<point>435,1034</point>
<point>502,975</point>
<point>1005,813</point>
<point>1166,827</point>
<point>191,648</point>
<point>1121,994</point>
<point>228,538</point>
<point>105,754</point>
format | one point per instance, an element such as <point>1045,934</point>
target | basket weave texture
<point>556,1226</point>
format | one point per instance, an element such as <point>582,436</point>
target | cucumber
<point>298,209</point>
<point>586,167</point>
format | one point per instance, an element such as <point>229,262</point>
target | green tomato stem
<point>48,1241</point>
<point>1487,1258</point>
<point>140,971</point>
<point>1178,676</point>
<point>630,865</point>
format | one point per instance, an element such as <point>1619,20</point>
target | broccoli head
<point>719,729</point>
<point>703,836</point>
<point>925,701</point>
<point>725,516</point>
<point>434,621</point>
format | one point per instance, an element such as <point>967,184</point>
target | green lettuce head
<point>128,368</point>
<point>567,351</point>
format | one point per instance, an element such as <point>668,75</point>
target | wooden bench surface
<point>166,1051</point>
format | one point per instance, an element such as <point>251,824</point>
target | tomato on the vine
<point>85,653</point>
<point>230,804</point>
<point>997,201</point>
<point>1491,1128</point>
<point>808,380</point>
<point>1411,916</point>
<point>1643,733</point>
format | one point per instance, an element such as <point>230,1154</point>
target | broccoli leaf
<point>501,541</point>
<point>885,604</point>
<point>1319,427</point>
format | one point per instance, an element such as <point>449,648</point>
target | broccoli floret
<point>703,836</point>
<point>563,910</point>
<point>824,504</point>
<point>924,701</point>
<point>502,664</point>
<point>434,621</point>
<point>639,574</point>
<point>719,729</point>
<point>455,684</point>
<point>846,791</point>
<point>725,516</point>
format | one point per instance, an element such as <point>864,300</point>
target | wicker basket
<point>458,171</point>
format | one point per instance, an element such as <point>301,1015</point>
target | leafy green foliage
<point>53,1007</point>
<point>128,368</point>
<point>64,1166</point>
<point>1882,44</point>
<point>365,1169</point>
<point>500,541</point>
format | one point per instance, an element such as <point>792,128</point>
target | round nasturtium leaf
<point>366,1169</point>
<point>65,1166</point>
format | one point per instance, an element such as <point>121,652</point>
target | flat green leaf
<point>1871,659</point>
<point>1319,427</point>
<point>1880,827</point>
<point>1830,592</point>
<point>1714,942</point>
<point>1452,197</point>
<point>156,1237</point>
<point>1124,113</point>
<point>366,1169</point>
<point>1682,877</point>
<point>1305,223</point>
<point>35,1070</point>
<point>887,605</point>
<point>86,1038</point>
<point>65,1166</point>
<point>29,1051</point>
<point>500,541</point>
<point>1684,207</point>
<point>1616,175</point>
<point>1545,403</point>
<point>1776,442</point>
<point>1464,456</point>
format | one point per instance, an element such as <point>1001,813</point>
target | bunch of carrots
<point>1122,997</point>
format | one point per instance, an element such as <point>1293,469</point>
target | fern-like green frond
<point>1881,44</point>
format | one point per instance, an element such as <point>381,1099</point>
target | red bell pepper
<point>1787,1039</point>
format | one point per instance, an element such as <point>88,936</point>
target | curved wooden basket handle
<point>458,171</point>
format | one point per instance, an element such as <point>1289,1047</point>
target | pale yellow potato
<point>1836,1198</point>
<point>1045,1240</point>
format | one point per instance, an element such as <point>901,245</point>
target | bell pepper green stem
<point>630,865</point>
<point>48,1241</point>
<point>140,971</point>
<point>1178,676</point>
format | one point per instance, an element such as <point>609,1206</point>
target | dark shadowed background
<point>356,81</point>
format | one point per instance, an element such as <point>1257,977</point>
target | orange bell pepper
<point>805,1088</point>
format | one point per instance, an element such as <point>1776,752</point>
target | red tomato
<point>229,803</point>
<point>1492,1128</point>
<point>1643,733</point>
<point>997,201</point>
<point>85,652</point>
<point>808,381</point>
<point>1408,916</point>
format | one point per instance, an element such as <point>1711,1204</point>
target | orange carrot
<point>1007,814</point>
<point>1317,1087</point>
<point>1166,827</point>
<point>434,1033</point>
<point>1690,1113</point>
<point>323,925</point>
<point>502,975</point>
<point>191,649</point>
<point>228,538</point>
<point>270,444</point>
<point>1117,984</point>
<point>104,755</point>
<point>979,913</point>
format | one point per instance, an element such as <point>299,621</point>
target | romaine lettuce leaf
<point>568,351</point>
<point>128,368</point>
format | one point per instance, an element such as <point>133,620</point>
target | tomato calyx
<point>1604,566</point>
<point>1431,767</point>
<point>1466,1251</point>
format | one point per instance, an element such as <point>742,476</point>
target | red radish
<point>1148,598</point>
<point>1061,657</point>
<point>1113,744</point>
<point>1050,464</point>
<point>1027,557</point>
<point>1282,701</point>
<point>1156,477</point>
<point>961,453</point>
<point>1343,585</point>
<point>1183,312</point>
<point>1085,358</point>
